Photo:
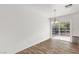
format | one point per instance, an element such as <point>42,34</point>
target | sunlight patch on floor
<point>65,38</point>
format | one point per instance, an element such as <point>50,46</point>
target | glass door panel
<point>60,28</point>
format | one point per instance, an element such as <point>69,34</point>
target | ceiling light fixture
<point>69,5</point>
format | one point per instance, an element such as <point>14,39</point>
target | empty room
<point>39,28</point>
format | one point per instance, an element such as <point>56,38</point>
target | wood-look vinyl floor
<point>52,47</point>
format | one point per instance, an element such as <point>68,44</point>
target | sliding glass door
<point>60,28</point>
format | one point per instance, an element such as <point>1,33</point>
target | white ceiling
<point>47,10</point>
<point>62,10</point>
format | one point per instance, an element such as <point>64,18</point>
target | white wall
<point>22,26</point>
<point>75,24</point>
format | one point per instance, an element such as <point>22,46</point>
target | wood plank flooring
<point>52,47</point>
